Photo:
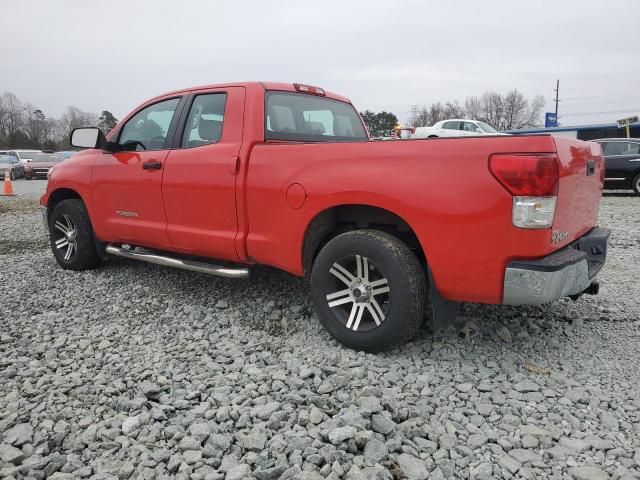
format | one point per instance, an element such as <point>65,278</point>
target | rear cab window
<point>308,118</point>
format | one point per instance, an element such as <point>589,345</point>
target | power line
<point>601,97</point>
<point>626,110</point>
<point>607,84</point>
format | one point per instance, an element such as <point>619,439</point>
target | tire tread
<point>409,264</point>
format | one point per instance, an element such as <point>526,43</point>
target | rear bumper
<point>568,271</point>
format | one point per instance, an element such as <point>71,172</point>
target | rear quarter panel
<point>441,187</point>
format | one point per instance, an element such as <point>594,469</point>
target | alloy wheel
<point>65,236</point>
<point>360,293</point>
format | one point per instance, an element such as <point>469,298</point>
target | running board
<point>190,265</point>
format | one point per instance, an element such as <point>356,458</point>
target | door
<point>199,180</point>
<point>470,129</point>
<point>127,185</point>
<point>450,129</point>
<point>622,159</point>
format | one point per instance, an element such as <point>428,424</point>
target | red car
<point>285,175</point>
<point>40,165</point>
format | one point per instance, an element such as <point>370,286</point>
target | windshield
<point>27,155</point>
<point>40,158</point>
<point>487,128</point>
<point>309,118</point>
<point>6,159</point>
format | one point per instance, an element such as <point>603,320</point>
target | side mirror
<point>87,137</point>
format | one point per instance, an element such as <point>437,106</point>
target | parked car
<point>622,163</point>
<point>40,164</point>
<point>285,175</point>
<point>24,156</point>
<point>456,128</point>
<point>10,164</point>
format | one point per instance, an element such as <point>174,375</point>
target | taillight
<point>530,175</point>
<point>533,182</point>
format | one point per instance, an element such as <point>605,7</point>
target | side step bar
<point>190,265</point>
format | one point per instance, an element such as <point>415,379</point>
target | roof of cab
<point>286,87</point>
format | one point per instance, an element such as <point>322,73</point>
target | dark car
<point>622,163</point>
<point>11,164</point>
<point>40,164</point>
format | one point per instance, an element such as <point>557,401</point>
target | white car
<point>456,128</point>
<point>24,156</point>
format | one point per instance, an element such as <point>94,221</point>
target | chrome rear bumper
<point>568,271</point>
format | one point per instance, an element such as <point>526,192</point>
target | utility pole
<point>557,90</point>
<point>414,114</point>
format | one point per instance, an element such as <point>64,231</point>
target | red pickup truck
<point>286,175</point>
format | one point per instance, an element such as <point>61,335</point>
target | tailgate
<point>580,189</point>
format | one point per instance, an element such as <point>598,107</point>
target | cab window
<point>469,127</point>
<point>308,118</point>
<point>205,119</point>
<point>147,129</point>
<point>613,148</point>
<point>451,125</point>
<point>631,148</point>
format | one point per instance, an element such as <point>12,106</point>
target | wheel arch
<point>61,194</point>
<point>338,219</point>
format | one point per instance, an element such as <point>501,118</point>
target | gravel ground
<point>135,371</point>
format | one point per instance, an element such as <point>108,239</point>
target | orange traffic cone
<point>8,187</point>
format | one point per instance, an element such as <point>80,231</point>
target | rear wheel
<point>71,236</point>
<point>369,290</point>
<point>636,184</point>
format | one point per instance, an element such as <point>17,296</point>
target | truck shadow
<point>278,304</point>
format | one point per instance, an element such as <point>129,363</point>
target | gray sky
<point>384,55</point>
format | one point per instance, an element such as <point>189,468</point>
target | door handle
<point>152,165</point>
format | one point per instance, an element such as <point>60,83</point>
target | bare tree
<point>508,112</point>
<point>435,112</point>
<point>12,115</point>
<point>72,118</point>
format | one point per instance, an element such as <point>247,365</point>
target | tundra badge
<point>124,213</point>
<point>558,235</point>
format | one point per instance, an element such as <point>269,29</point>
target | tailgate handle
<point>591,167</point>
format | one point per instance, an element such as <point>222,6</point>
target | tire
<point>432,136</point>
<point>636,184</point>
<point>378,308</point>
<point>71,236</point>
<point>12,176</point>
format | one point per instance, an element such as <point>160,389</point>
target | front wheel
<point>71,236</point>
<point>636,184</point>
<point>12,176</point>
<point>369,290</point>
